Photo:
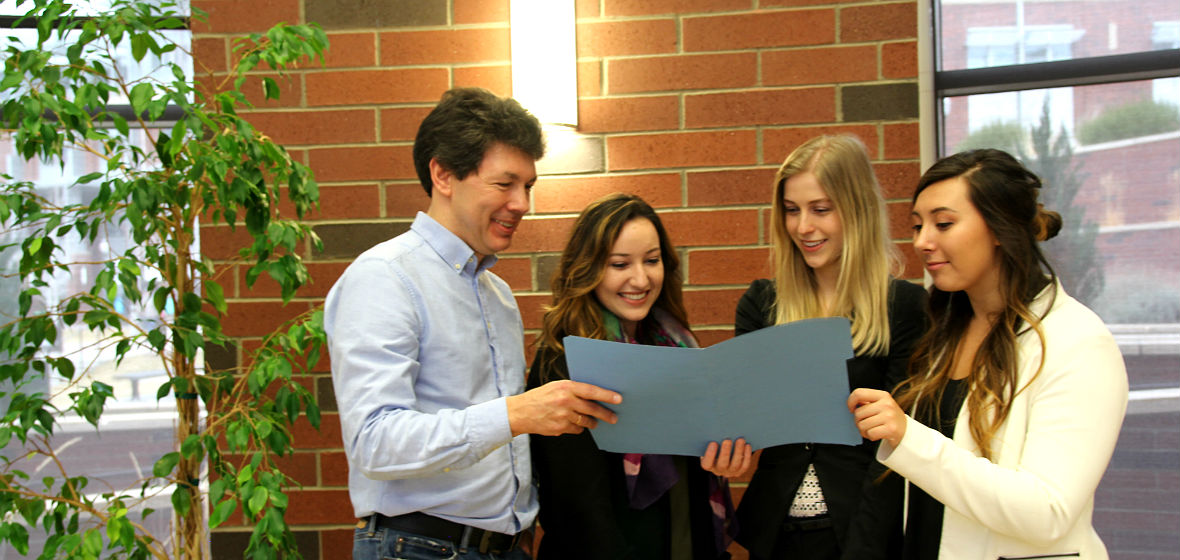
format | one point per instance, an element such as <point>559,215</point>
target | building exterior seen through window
<point>1114,175</point>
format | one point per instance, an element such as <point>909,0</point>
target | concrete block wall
<point>693,102</point>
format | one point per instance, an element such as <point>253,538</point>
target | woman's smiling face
<point>634,274</point>
<point>813,222</point>
<point>953,240</point>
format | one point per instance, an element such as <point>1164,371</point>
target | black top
<point>843,470</point>
<point>924,516</point>
<point>583,496</point>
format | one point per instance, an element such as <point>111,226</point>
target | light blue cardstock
<point>782,384</point>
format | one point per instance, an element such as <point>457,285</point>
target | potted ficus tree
<point>173,153</point>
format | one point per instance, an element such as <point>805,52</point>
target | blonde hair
<point>868,258</point>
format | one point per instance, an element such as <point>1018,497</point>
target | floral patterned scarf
<point>650,476</point>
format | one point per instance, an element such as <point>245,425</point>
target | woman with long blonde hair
<point>1018,391</point>
<point>832,258</point>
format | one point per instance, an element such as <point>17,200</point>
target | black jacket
<point>843,470</point>
<point>583,498</point>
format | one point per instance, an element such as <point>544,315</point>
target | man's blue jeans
<point>388,544</point>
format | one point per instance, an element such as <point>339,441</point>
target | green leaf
<point>11,80</point>
<point>283,369</point>
<point>65,368</point>
<point>290,404</point>
<point>191,302</point>
<point>279,273</point>
<point>222,512</point>
<point>163,149</point>
<point>18,537</point>
<point>92,543</point>
<point>215,295</point>
<point>258,499</point>
<point>279,441</point>
<point>157,340</point>
<point>275,525</point>
<point>139,46</point>
<point>264,428</point>
<point>182,500</point>
<point>193,341</point>
<point>270,89</point>
<point>313,413</point>
<point>160,298</point>
<point>116,525</point>
<point>88,178</point>
<point>191,447</point>
<point>141,96</point>
<point>166,386</point>
<point>238,437</point>
<point>217,489</point>
<point>245,474</point>
<point>120,125</point>
<point>166,464</point>
<point>278,499</point>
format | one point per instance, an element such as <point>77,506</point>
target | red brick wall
<point>696,103</point>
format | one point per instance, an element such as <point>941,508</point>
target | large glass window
<point>137,429</point>
<point>1087,93</point>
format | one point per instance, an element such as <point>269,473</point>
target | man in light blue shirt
<point>427,350</point>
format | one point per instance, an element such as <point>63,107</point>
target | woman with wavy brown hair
<point>619,279</point>
<point>1018,391</point>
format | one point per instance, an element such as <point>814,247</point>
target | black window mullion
<point>1061,73</point>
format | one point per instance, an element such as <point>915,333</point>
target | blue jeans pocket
<point>383,544</point>
<point>411,547</point>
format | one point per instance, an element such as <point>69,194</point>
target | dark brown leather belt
<point>464,537</point>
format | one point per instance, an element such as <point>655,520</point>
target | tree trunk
<point>191,530</point>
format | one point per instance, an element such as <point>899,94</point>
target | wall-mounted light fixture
<point>544,59</point>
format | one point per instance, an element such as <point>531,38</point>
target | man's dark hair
<point>464,124</point>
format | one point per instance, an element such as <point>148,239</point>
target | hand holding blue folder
<point>783,384</point>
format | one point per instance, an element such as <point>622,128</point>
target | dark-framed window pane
<point>980,34</point>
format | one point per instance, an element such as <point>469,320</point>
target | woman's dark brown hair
<point>1005,194</point>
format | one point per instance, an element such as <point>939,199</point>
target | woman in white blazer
<point>1017,392</point>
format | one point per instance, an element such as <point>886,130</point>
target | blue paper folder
<point>783,384</point>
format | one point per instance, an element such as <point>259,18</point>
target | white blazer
<point>1035,498</point>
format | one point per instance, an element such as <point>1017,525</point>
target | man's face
<point>486,206</point>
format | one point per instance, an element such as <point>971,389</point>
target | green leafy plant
<point>1131,120</point>
<point>156,184</point>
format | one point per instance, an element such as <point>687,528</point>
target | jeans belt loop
<point>485,542</point>
<point>464,539</point>
<point>372,528</point>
